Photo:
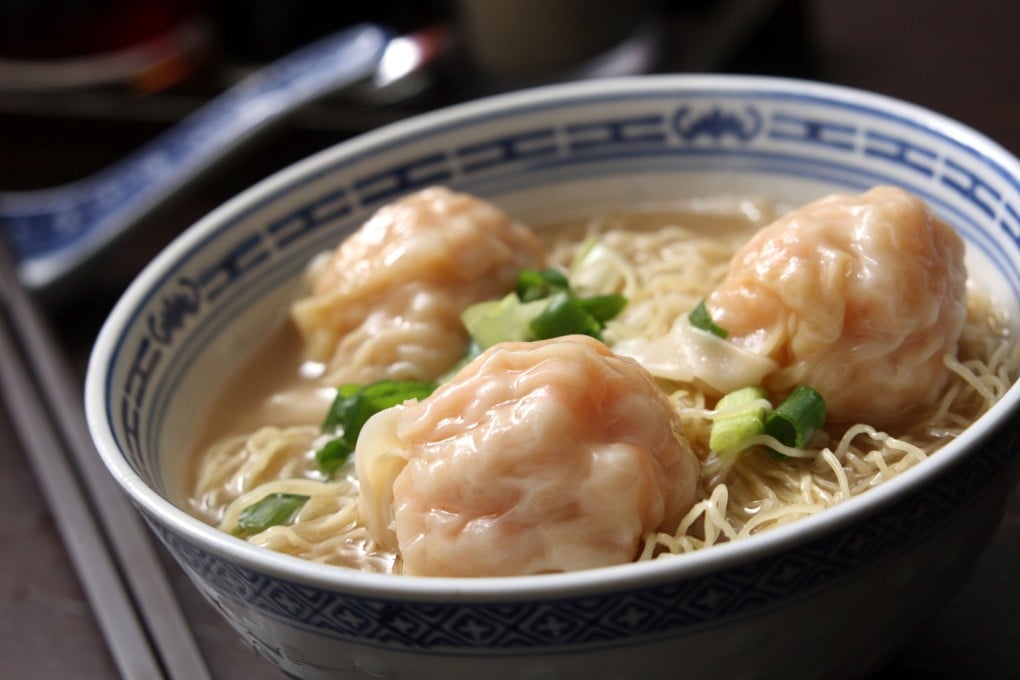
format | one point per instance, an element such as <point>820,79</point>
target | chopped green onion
<point>564,316</point>
<point>543,306</point>
<point>353,406</point>
<point>603,307</point>
<point>346,396</point>
<point>273,510</point>
<point>744,414</point>
<point>741,416</point>
<point>700,318</point>
<point>797,419</point>
<point>503,320</point>
<point>332,455</point>
<point>535,284</point>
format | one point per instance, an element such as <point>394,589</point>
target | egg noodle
<point>664,271</point>
<point>664,263</point>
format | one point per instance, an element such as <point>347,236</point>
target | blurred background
<point>85,82</point>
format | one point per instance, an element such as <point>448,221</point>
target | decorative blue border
<point>620,618</point>
<point>194,303</point>
<point>694,130</point>
<point>252,252</point>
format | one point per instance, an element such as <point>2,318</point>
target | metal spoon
<point>54,232</point>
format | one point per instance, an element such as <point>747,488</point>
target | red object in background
<point>63,44</point>
<point>61,29</point>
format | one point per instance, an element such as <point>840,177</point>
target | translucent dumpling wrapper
<point>386,304</point>
<point>860,297</point>
<point>692,355</point>
<point>537,457</point>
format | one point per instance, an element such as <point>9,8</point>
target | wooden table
<point>962,59</point>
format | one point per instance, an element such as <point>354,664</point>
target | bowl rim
<point>544,586</point>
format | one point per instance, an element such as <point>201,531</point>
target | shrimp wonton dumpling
<point>387,303</point>
<point>537,457</point>
<point>859,297</point>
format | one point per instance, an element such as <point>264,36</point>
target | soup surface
<point>263,435</point>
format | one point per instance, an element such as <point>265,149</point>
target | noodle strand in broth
<point>664,263</point>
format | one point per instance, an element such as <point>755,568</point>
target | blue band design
<point>715,129</point>
<point>614,619</point>
<point>794,137</point>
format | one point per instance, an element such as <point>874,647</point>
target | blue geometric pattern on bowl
<point>764,135</point>
<point>690,133</point>
<point>609,618</point>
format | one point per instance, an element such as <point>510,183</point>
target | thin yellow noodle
<point>837,470</point>
<point>665,266</point>
<point>779,516</point>
<point>942,412</point>
<point>239,464</point>
<point>855,464</point>
<point>326,529</point>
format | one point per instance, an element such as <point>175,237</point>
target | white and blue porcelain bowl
<point>832,595</point>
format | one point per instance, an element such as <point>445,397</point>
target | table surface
<point>961,59</point>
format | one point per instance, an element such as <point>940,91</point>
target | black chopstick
<point>112,551</point>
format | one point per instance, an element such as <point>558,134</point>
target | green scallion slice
<point>603,307</point>
<point>797,419</point>
<point>564,316</point>
<point>353,406</point>
<point>273,510</point>
<point>741,416</point>
<point>505,320</point>
<point>332,455</point>
<point>535,284</point>
<point>700,318</point>
<point>543,306</point>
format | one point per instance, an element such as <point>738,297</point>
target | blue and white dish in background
<point>827,595</point>
<point>52,232</point>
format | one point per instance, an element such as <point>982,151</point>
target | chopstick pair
<point>110,547</point>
